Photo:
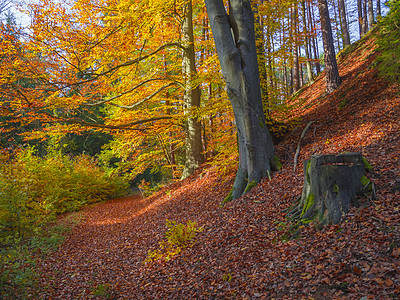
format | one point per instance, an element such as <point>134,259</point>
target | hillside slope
<point>240,253</point>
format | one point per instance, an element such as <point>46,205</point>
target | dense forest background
<point>102,99</point>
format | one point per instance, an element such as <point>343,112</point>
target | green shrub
<point>178,237</point>
<point>389,42</point>
<point>33,189</point>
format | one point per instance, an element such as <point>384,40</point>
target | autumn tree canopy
<point>147,73</point>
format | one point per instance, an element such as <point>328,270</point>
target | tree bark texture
<point>234,38</point>
<point>191,97</point>
<point>331,68</point>
<point>331,183</point>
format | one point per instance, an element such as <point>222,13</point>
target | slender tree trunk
<point>370,13</point>
<point>295,52</point>
<point>360,17</point>
<point>306,39</point>
<point>331,68</point>
<point>171,146</point>
<point>234,38</point>
<point>270,51</point>
<point>365,19</point>
<point>191,98</point>
<point>314,42</point>
<point>344,25</point>
<point>378,8</point>
<point>335,19</point>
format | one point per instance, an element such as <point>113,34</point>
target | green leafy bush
<point>178,237</point>
<point>389,42</point>
<point>33,189</point>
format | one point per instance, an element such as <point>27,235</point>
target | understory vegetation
<point>33,191</point>
<point>389,43</point>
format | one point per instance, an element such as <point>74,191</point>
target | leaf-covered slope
<point>240,253</point>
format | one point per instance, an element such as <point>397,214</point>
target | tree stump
<point>331,184</point>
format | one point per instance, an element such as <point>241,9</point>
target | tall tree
<point>370,13</point>
<point>331,68</point>
<point>191,97</point>
<point>234,38</point>
<point>295,52</point>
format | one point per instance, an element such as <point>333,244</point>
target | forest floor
<point>241,254</point>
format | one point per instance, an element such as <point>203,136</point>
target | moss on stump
<point>331,185</point>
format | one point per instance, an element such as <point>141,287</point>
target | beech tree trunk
<point>234,38</point>
<point>331,68</point>
<point>331,184</point>
<point>191,98</point>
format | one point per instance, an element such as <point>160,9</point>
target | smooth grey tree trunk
<point>191,97</point>
<point>331,68</point>
<point>234,38</point>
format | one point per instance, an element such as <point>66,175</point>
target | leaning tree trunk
<point>331,68</point>
<point>191,98</point>
<point>331,184</point>
<point>234,38</point>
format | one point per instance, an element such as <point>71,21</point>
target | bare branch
<point>128,126</point>
<point>145,99</point>
<point>131,62</point>
<point>124,93</point>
